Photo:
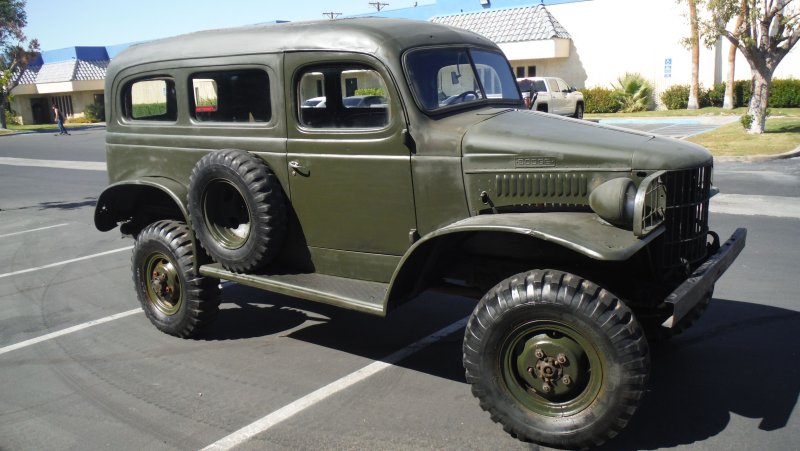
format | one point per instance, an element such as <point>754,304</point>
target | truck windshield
<point>444,77</point>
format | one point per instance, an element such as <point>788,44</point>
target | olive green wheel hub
<point>551,368</point>
<point>164,290</point>
<point>226,214</point>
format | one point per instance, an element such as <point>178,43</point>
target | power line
<point>332,15</point>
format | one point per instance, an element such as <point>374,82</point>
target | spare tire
<point>238,209</point>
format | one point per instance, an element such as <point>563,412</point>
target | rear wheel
<point>556,359</point>
<point>173,296</point>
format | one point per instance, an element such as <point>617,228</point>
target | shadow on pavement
<point>740,358</point>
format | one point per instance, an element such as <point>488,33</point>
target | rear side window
<point>151,99</point>
<point>230,96</point>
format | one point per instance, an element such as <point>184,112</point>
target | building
<point>588,43</point>
<point>71,78</point>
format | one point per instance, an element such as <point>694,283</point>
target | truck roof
<point>375,35</point>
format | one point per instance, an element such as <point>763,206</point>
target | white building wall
<point>611,37</point>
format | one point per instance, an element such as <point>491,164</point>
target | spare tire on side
<point>238,209</point>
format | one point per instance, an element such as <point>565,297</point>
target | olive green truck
<point>361,162</point>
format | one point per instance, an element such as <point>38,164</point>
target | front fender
<point>581,232</point>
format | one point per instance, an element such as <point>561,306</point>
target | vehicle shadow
<point>740,358</point>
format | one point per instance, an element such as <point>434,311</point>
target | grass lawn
<point>711,111</point>
<point>781,135</point>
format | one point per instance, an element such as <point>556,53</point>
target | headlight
<point>614,201</point>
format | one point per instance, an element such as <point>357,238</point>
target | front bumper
<point>691,292</point>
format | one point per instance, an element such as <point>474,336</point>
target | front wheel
<point>174,297</point>
<point>556,359</point>
<point>579,108</point>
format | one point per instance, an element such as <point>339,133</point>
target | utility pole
<point>378,5</point>
<point>332,15</point>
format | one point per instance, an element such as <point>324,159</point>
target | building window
<point>231,96</point>
<point>151,99</point>
<point>520,72</point>
<point>531,71</point>
<point>64,104</point>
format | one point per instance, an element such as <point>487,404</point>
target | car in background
<point>552,95</point>
<point>365,101</point>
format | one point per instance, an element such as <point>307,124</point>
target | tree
<point>14,58</point>
<point>768,31</point>
<point>728,103</point>
<point>694,40</point>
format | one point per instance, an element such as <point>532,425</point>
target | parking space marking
<point>289,410</point>
<point>69,330</point>
<point>34,230</point>
<point>58,164</point>
<point>65,262</point>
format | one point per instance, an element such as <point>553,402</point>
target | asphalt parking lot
<point>82,368</point>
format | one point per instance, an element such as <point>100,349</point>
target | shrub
<point>741,93</point>
<point>78,120</point>
<point>633,92</point>
<point>716,95</point>
<point>95,112</point>
<point>149,109</point>
<point>600,100</point>
<point>11,118</point>
<point>676,97</point>
<point>370,92</point>
<point>785,94</point>
<point>746,121</point>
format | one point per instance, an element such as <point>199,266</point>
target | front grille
<point>686,218</point>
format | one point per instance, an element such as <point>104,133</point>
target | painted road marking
<point>749,205</point>
<point>288,411</point>
<point>58,164</point>
<point>65,262</point>
<point>69,330</point>
<point>34,230</point>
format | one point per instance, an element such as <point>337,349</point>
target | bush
<point>741,93</point>
<point>370,92</point>
<point>600,100</point>
<point>11,118</point>
<point>633,92</point>
<point>785,94</point>
<point>716,95</point>
<point>142,110</point>
<point>746,121</point>
<point>78,120</point>
<point>95,112</point>
<point>676,97</point>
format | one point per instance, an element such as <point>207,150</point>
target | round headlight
<point>614,201</point>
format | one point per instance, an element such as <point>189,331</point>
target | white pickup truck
<point>551,95</point>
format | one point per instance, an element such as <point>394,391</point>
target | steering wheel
<point>459,98</point>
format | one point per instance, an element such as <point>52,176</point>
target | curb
<point>31,132</point>
<point>757,158</point>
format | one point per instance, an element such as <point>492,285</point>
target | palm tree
<point>633,93</point>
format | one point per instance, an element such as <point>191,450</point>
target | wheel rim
<point>226,214</point>
<point>550,368</point>
<point>164,289</point>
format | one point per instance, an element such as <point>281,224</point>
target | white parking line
<point>58,164</point>
<point>33,230</point>
<point>65,262</point>
<point>286,412</point>
<point>69,330</point>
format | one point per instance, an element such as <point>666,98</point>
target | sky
<point>59,23</point>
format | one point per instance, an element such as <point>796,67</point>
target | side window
<point>553,85</point>
<point>151,100</point>
<point>563,86</point>
<point>230,96</point>
<point>341,96</point>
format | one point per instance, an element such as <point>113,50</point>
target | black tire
<point>550,328</point>
<point>176,300</point>
<point>578,111</point>
<point>238,209</point>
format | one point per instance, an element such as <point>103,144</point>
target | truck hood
<point>518,139</point>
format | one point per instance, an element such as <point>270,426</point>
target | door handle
<point>298,168</point>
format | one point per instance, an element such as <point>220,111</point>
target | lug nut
<point>561,358</point>
<point>530,370</point>
<point>566,380</point>
<point>539,353</point>
<point>546,387</point>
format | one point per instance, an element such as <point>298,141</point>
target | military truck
<point>576,239</point>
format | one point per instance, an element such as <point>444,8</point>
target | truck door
<point>350,182</point>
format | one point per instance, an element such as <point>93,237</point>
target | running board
<point>361,295</point>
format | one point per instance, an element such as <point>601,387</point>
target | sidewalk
<point>54,129</point>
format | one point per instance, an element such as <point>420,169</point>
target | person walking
<point>59,120</point>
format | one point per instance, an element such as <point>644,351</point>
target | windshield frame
<point>482,102</point>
